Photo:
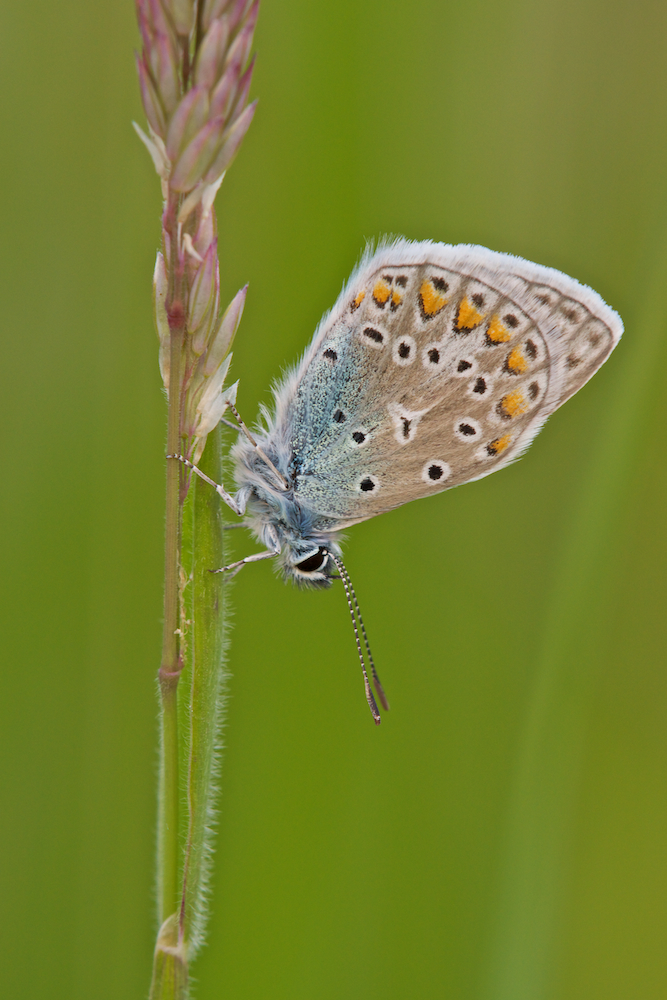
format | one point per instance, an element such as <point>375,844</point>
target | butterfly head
<point>306,554</point>
<point>309,567</point>
<point>307,560</point>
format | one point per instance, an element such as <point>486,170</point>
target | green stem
<point>204,694</point>
<point>170,971</point>
<point>171,665</point>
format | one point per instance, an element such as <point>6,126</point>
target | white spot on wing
<point>435,472</point>
<point>466,429</point>
<point>404,350</point>
<point>405,421</point>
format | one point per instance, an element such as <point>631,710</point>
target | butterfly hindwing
<point>437,365</point>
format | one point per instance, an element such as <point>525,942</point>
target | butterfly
<point>437,366</point>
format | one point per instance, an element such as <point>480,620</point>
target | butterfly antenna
<point>376,680</point>
<point>265,458</point>
<point>375,712</point>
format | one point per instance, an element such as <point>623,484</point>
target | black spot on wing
<point>373,334</point>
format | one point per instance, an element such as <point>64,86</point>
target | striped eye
<point>314,562</point>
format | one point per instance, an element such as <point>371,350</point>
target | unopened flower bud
<point>224,94</point>
<point>206,233</point>
<point>213,411</point>
<point>182,14</point>
<point>188,118</point>
<point>233,139</point>
<point>240,48</point>
<point>191,250</point>
<point>160,284</point>
<point>213,9</point>
<point>150,100</point>
<point>164,64</point>
<point>242,91</point>
<point>196,158</point>
<point>156,148</point>
<point>238,12</point>
<point>213,402</point>
<point>203,288</point>
<point>211,56</point>
<point>208,195</point>
<point>152,21</point>
<point>223,335</point>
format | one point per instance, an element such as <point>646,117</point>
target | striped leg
<point>220,490</point>
<point>234,567</point>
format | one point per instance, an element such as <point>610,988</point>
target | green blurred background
<point>503,834</point>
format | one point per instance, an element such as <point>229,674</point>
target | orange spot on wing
<point>381,292</point>
<point>358,300</point>
<point>513,404</point>
<point>516,363</point>
<point>396,300</point>
<point>431,301</point>
<point>468,316</point>
<point>497,332</point>
<point>499,445</point>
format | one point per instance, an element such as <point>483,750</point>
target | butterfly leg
<point>238,508</point>
<point>284,485</point>
<point>235,567</point>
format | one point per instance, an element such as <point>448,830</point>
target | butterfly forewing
<point>437,366</point>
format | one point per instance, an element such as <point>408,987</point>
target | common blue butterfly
<point>437,365</point>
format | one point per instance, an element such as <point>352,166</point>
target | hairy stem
<point>171,665</point>
<point>170,971</point>
<point>194,133</point>
<point>204,693</point>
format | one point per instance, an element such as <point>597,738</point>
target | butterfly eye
<point>314,562</point>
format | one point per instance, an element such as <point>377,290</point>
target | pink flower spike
<point>196,158</point>
<point>233,140</point>
<point>188,118</point>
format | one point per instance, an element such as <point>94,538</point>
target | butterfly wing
<point>437,366</point>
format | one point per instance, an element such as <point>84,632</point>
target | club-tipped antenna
<point>375,712</point>
<point>376,680</point>
<point>265,458</point>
